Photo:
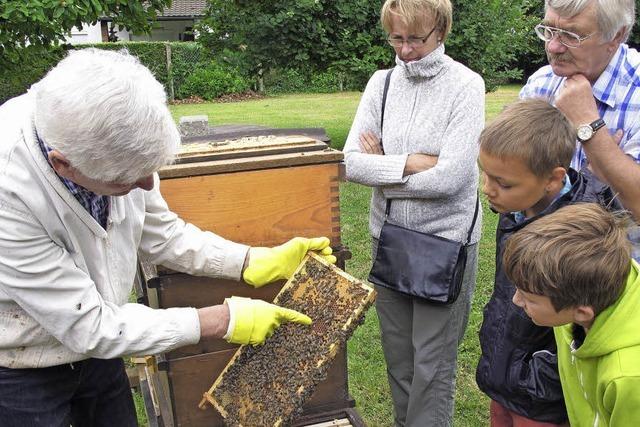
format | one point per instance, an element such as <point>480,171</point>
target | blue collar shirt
<point>95,204</point>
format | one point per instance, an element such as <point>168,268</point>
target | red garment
<point>502,417</point>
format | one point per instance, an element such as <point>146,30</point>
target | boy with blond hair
<point>525,155</point>
<point>573,271</point>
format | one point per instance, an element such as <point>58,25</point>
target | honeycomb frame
<point>267,385</point>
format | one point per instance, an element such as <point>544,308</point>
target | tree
<point>343,35</point>
<point>489,36</point>
<point>634,37</point>
<point>29,28</point>
<point>532,54</point>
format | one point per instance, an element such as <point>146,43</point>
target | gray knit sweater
<point>434,106</point>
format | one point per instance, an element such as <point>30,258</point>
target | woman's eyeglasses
<point>413,42</point>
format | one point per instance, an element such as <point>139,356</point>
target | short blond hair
<point>416,14</point>
<point>578,255</point>
<point>533,131</point>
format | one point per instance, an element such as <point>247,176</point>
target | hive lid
<point>247,153</point>
<point>267,385</point>
<point>248,146</point>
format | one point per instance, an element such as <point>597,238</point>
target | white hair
<point>613,15</point>
<point>107,114</point>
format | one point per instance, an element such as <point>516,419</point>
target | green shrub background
<point>195,71</point>
<point>189,62</point>
<point>212,81</point>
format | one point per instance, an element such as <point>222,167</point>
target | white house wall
<point>165,31</point>
<point>92,34</point>
<point>162,31</point>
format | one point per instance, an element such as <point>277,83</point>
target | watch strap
<point>597,124</point>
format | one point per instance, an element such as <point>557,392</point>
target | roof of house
<point>180,8</point>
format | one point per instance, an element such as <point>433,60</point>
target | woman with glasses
<point>424,162</point>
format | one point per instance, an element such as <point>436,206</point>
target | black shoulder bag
<point>419,264</point>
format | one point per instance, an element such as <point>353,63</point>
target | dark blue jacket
<point>518,366</point>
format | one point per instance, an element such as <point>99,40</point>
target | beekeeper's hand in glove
<point>265,265</point>
<point>252,321</point>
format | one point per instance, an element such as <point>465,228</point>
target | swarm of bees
<point>267,385</point>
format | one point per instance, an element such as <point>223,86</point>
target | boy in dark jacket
<point>525,155</point>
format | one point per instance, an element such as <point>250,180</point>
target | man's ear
<point>617,40</point>
<point>61,165</point>
<point>583,314</point>
<point>556,180</point>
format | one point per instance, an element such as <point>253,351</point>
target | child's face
<point>540,309</point>
<point>509,184</point>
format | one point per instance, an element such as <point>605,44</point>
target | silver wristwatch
<point>586,131</point>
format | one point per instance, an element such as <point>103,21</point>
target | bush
<point>285,81</point>
<point>325,82</point>
<point>291,80</point>
<point>16,79</point>
<point>213,81</point>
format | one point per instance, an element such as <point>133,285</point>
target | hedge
<point>15,80</point>
<point>186,57</point>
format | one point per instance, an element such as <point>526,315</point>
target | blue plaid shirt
<point>95,204</point>
<point>617,94</point>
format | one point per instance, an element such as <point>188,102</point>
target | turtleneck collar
<point>427,67</point>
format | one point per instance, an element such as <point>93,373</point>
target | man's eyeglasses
<point>413,42</point>
<point>567,38</point>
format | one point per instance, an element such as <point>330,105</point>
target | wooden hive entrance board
<point>267,385</point>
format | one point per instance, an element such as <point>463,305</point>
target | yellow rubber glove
<point>255,320</point>
<point>269,264</point>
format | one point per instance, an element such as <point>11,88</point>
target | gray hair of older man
<point>107,114</point>
<point>613,15</point>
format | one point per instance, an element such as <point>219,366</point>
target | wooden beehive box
<point>261,194</point>
<point>267,385</point>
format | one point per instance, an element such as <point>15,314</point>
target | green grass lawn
<point>367,375</point>
<point>333,111</point>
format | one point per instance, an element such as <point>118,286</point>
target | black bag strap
<point>475,217</point>
<point>384,103</point>
<point>473,223</point>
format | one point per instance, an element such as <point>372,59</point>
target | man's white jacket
<point>65,281</point>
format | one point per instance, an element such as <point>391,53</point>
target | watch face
<point>584,132</point>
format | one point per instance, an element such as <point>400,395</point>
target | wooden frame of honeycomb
<point>267,385</point>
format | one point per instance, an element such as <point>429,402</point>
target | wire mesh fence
<point>182,59</point>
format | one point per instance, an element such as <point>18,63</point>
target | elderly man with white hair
<point>593,77</point>
<point>79,202</point>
